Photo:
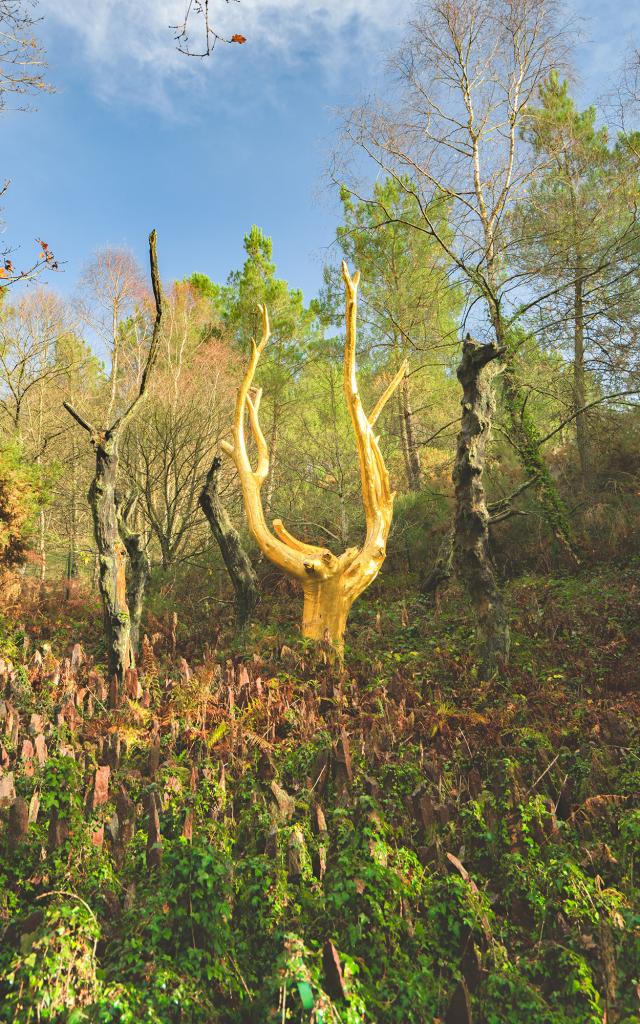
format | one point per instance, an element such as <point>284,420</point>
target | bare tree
<point>31,355</point>
<point>198,13</point>
<point>22,68</point>
<point>104,504</point>
<point>36,361</point>
<point>22,63</point>
<point>112,290</point>
<point>169,451</point>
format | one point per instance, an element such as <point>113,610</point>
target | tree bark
<point>475,373</point>
<point>326,610</point>
<point>43,547</point>
<point>111,555</point>
<point>579,383</point>
<point>236,559</point>
<point>412,456</point>
<point>138,570</point>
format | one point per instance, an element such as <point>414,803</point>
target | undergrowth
<point>399,841</point>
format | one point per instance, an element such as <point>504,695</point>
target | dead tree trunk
<point>475,373</point>
<point>330,583</point>
<point>102,499</point>
<point>138,568</point>
<point>111,554</point>
<point>236,559</point>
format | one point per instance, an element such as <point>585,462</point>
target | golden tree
<point>330,583</point>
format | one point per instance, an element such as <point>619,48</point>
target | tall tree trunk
<point>475,373</point>
<point>414,470</point>
<point>74,518</point>
<point>579,381</point>
<point>138,570</point>
<point>43,547</point>
<point>111,555</point>
<point>236,559</point>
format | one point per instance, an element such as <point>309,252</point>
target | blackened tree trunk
<point>111,554</point>
<point>138,569</point>
<point>475,373</point>
<point>236,559</point>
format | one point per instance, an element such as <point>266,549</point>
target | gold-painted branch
<point>330,583</point>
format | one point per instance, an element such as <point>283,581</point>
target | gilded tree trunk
<point>325,611</point>
<point>330,583</point>
<point>236,559</point>
<point>475,373</point>
<point>111,556</point>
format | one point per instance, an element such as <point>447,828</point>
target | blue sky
<point>139,136</point>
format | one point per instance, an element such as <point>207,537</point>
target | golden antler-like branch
<point>294,557</point>
<point>376,491</point>
<point>331,583</point>
<point>251,480</point>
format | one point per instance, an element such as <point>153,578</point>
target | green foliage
<point>21,496</point>
<point>414,864</point>
<point>54,975</point>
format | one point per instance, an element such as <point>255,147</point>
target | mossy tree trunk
<point>236,559</point>
<point>475,373</point>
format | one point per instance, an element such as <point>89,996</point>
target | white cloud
<point>130,48</point>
